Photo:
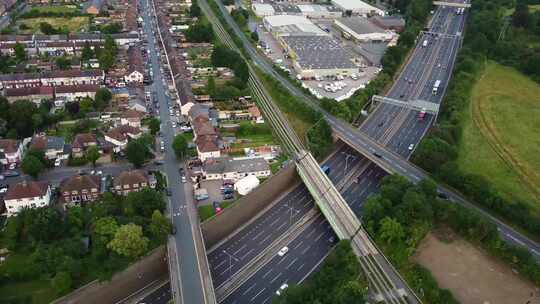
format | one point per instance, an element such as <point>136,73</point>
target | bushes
<point>416,208</point>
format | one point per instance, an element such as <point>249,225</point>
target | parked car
<point>11,173</point>
<point>228,196</point>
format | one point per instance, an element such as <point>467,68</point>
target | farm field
<point>500,136</point>
<point>472,275</point>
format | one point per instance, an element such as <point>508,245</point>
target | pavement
<point>187,268</point>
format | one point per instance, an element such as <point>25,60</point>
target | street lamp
<point>292,210</point>
<point>231,257</point>
<point>347,155</point>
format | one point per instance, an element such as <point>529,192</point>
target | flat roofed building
<point>357,7</point>
<point>362,30</point>
<point>263,9</point>
<point>235,168</point>
<point>287,25</point>
<point>318,56</point>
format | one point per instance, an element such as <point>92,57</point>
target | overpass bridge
<point>387,287</point>
<point>452,4</point>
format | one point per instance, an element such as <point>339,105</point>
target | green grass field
<point>56,9</point>
<point>72,24</point>
<point>500,137</point>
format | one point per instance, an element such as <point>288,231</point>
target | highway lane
<point>253,238</point>
<point>191,287</point>
<point>162,295</point>
<point>307,250</point>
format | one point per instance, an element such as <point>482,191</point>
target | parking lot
<point>348,85</point>
<point>214,192</point>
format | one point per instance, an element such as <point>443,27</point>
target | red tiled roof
<point>76,88</point>
<point>79,182</point>
<point>27,190</point>
<point>83,138</point>
<point>207,143</point>
<point>9,145</point>
<point>18,92</point>
<point>129,178</point>
<point>122,132</point>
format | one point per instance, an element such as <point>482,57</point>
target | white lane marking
<point>515,239</point>
<point>257,236</point>
<point>306,249</point>
<point>250,251</point>
<point>251,300</point>
<point>267,273</point>
<point>301,266</point>
<point>275,278</point>
<point>264,240</point>
<point>291,263</point>
<point>298,245</point>
<point>247,290</point>
<point>239,249</point>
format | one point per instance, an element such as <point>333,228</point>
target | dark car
<point>442,195</point>
<point>10,173</point>
<point>173,230</point>
<point>168,191</point>
<point>228,196</point>
<point>227,191</point>
<point>377,155</point>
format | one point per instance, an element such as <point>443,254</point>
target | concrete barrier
<point>230,219</point>
<point>137,276</point>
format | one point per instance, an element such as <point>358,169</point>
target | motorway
<point>389,159</point>
<point>187,263</point>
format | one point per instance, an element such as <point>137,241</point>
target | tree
<point>179,146</point>
<point>143,203</point>
<point>102,99</point>
<point>86,53</point>
<point>32,166</point>
<point>106,60</point>
<point>129,241</point>
<point>160,226</point>
<point>255,36</point>
<point>63,63</point>
<point>61,283</point>
<point>211,86</point>
<point>47,29</point>
<point>86,105</point>
<point>200,32</point>
<point>137,152</point>
<point>92,155</point>
<point>521,16</point>
<point>20,52</point>
<point>154,125</point>
<point>391,230</point>
<point>194,9</point>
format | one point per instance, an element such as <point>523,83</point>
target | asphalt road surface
<point>191,289</point>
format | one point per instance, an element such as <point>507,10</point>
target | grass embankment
<point>500,134</point>
<point>207,211</point>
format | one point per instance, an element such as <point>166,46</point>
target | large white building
<point>286,25</point>
<point>362,30</point>
<point>235,168</point>
<point>357,7</point>
<point>27,195</point>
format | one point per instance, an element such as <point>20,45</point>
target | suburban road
<point>187,263</point>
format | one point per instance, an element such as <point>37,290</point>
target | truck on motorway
<point>325,169</point>
<point>422,114</point>
<point>436,86</point>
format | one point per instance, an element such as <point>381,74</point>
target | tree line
<point>83,243</point>
<point>402,213</point>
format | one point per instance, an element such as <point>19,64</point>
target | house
<point>72,77</point>
<point>80,189</point>
<point>255,114</point>
<point>207,147</point>
<point>11,151</point>
<point>81,142</point>
<point>34,94</point>
<point>120,136</point>
<point>135,73</point>
<point>27,195</point>
<point>131,118</point>
<point>132,181</point>
<point>235,168</point>
<point>52,146</point>
<point>95,7</point>
<point>75,92</point>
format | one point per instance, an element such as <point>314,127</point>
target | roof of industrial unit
<point>226,164</point>
<point>354,5</point>
<point>293,25</point>
<point>319,52</point>
<point>360,25</point>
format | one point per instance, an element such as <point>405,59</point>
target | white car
<point>57,162</point>
<point>411,147</point>
<point>185,128</point>
<point>3,190</point>
<point>283,251</point>
<point>281,289</point>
